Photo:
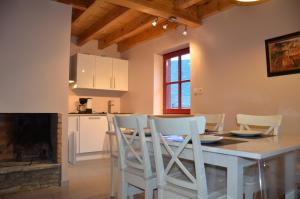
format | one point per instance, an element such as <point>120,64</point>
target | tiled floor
<point>88,180</point>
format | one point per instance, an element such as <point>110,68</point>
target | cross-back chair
<point>113,151</point>
<point>171,184</point>
<point>272,122</point>
<point>134,160</point>
<point>214,121</point>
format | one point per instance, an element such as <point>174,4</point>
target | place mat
<point>246,137</point>
<point>223,142</point>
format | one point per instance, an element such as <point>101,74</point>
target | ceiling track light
<point>248,2</point>
<point>155,22</point>
<point>184,33</point>
<point>165,26</point>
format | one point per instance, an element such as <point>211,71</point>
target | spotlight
<point>165,26</point>
<point>184,33</point>
<point>154,23</point>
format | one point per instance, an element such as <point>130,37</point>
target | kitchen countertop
<point>92,114</point>
<point>86,114</point>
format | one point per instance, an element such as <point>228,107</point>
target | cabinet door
<point>85,71</point>
<point>92,133</point>
<point>120,74</point>
<point>73,131</point>
<point>103,73</point>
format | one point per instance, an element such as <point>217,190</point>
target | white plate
<point>246,133</point>
<point>207,139</point>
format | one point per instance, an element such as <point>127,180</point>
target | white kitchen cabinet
<point>97,72</point>
<point>103,73</point>
<point>92,133</point>
<point>120,74</point>
<point>85,70</point>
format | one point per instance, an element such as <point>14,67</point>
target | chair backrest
<point>133,150</point>
<point>110,122</point>
<point>272,122</point>
<point>113,146</point>
<point>189,128</point>
<point>214,120</point>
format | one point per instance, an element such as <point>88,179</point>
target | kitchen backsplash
<point>99,100</point>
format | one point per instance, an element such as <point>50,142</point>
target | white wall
<point>228,61</point>
<point>34,59</point>
<point>100,98</point>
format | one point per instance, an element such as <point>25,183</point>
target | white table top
<point>260,148</point>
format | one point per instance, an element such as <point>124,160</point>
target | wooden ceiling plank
<point>134,27</point>
<point>213,7</point>
<point>183,4</point>
<point>101,24</point>
<point>148,34</point>
<point>161,10</point>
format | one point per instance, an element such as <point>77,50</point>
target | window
<point>177,83</point>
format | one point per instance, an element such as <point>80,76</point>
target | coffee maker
<point>85,106</point>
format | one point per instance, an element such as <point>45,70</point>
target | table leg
<point>235,179</point>
<point>290,172</point>
<point>262,183</point>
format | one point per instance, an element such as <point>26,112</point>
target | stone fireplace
<point>30,151</point>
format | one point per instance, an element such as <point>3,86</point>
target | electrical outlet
<point>198,91</point>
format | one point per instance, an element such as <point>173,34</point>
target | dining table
<point>235,154</point>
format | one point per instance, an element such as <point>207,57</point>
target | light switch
<point>198,91</point>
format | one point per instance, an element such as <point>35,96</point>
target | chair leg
<point>123,186</point>
<point>113,176</point>
<point>248,195</point>
<point>148,193</point>
<point>160,193</point>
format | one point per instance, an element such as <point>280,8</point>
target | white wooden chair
<point>134,160</point>
<point>113,151</point>
<point>270,124</point>
<point>214,122</point>
<point>171,184</point>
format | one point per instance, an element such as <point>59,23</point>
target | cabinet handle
<point>94,118</point>
<point>93,81</point>
<point>77,124</point>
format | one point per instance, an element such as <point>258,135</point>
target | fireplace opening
<point>28,138</point>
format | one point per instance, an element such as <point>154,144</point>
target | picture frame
<point>283,54</point>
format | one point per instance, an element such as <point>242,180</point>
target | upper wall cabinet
<point>85,70</point>
<point>96,72</point>
<point>120,74</point>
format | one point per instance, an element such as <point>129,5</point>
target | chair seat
<point>213,191</point>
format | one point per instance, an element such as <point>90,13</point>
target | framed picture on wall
<point>283,54</point>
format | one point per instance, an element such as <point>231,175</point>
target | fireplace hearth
<point>30,151</point>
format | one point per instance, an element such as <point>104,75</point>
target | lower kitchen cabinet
<point>87,134</point>
<point>92,133</point>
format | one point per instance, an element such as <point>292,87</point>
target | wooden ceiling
<point>129,22</point>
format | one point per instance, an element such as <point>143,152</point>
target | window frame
<point>170,55</point>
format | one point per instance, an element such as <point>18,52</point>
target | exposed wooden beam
<point>162,10</point>
<point>132,28</point>
<point>102,23</point>
<point>213,7</point>
<point>183,4</point>
<point>148,34</point>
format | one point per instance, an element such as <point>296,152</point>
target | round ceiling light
<point>248,2</point>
